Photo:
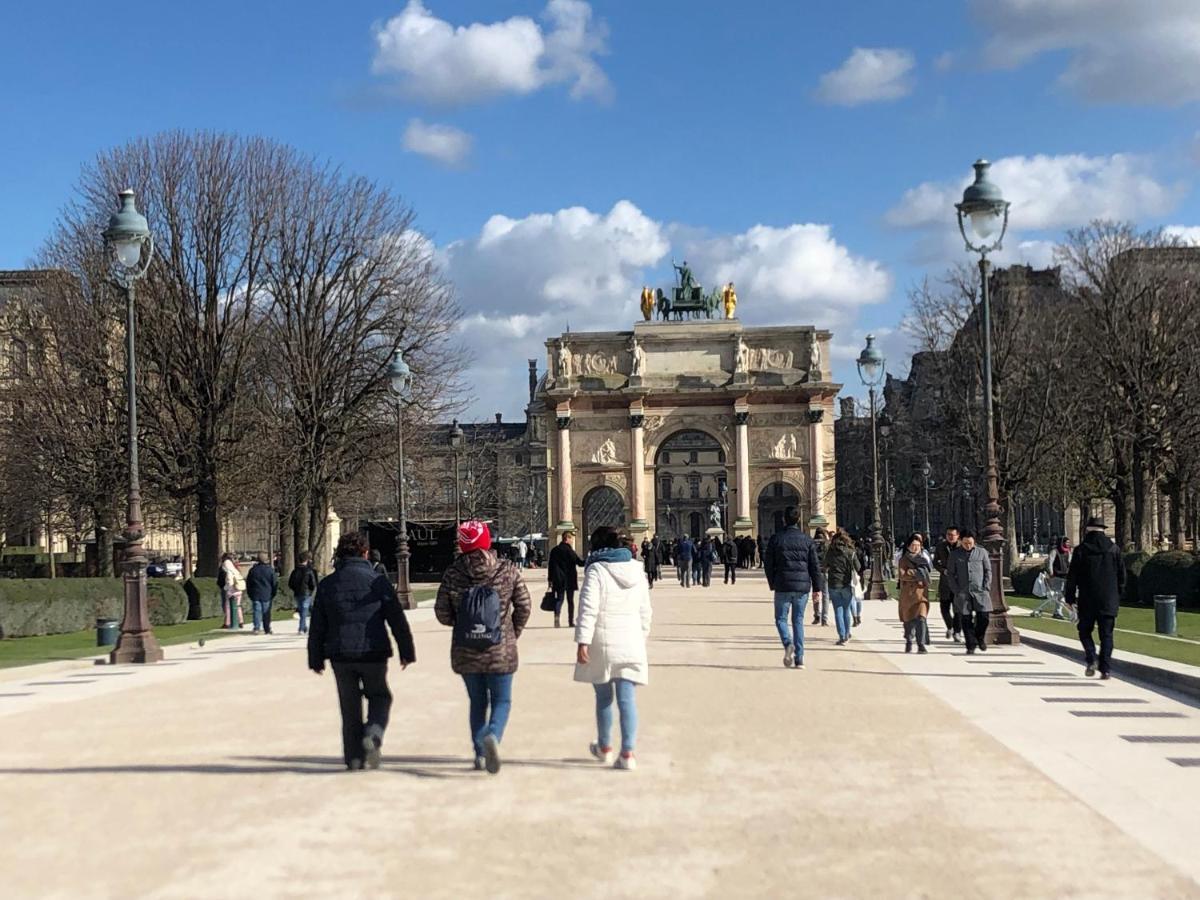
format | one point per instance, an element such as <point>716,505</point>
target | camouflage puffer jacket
<point>474,568</point>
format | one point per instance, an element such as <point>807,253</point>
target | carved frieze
<point>598,448</point>
<point>778,444</point>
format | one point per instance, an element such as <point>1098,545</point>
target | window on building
<point>694,485</point>
<point>518,459</point>
<point>448,494</point>
<point>721,457</point>
<point>693,456</point>
<point>665,486</point>
<point>664,457</point>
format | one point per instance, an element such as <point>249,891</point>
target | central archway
<point>689,473</point>
<point>602,506</point>
<point>772,501</point>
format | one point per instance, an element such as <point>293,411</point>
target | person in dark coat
<point>941,562</point>
<point>352,611</point>
<point>303,585</point>
<point>701,556</point>
<point>1095,583</point>
<point>970,577</point>
<point>793,573</point>
<point>377,563</point>
<point>564,580</point>
<point>730,550</point>
<point>262,584</point>
<point>652,560</point>
<point>760,549</point>
<point>683,559</point>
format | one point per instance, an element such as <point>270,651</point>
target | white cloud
<point>868,74</point>
<point>442,63</point>
<point>444,144</point>
<point>522,280</point>
<point>1121,51</point>
<point>1188,234</point>
<point>1049,192</point>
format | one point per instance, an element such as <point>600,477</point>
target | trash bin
<point>1164,613</point>
<point>108,630</point>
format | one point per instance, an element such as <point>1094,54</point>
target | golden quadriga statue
<point>729,298</point>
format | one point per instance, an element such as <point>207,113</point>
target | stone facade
<point>759,398</point>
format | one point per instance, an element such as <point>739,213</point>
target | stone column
<point>743,523</point>
<point>564,472</point>
<point>816,469</point>
<point>637,472</point>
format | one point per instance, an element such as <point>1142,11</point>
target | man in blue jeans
<point>793,571</point>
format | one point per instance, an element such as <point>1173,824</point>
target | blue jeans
<point>262,615</point>
<point>488,691</point>
<point>843,615</point>
<point>626,703</point>
<point>791,603</point>
<point>303,603</point>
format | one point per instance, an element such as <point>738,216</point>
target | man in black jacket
<point>564,580</point>
<point>348,628</point>
<point>793,573</point>
<point>262,584</point>
<point>731,560</point>
<point>1095,581</point>
<point>303,585</point>
<point>941,562</point>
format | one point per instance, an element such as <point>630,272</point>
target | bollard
<point>107,632</point>
<point>1164,614</point>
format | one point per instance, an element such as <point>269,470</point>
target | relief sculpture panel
<point>778,443</point>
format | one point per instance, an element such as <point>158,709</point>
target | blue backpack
<point>478,624</point>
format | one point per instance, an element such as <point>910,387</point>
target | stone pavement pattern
<point>220,776</point>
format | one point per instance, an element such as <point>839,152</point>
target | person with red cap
<point>484,600</point>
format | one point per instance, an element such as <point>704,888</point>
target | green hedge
<point>1134,563</point>
<point>31,607</point>
<point>1024,575</point>
<point>1171,572</point>
<point>204,599</point>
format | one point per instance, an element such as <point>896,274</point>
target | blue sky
<point>559,154</point>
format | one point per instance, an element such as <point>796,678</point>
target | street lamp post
<point>456,442</point>
<point>871,369</point>
<point>987,211</point>
<point>926,470</point>
<point>128,235</point>
<point>401,378</point>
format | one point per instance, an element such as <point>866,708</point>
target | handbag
<point>549,602</point>
<point>856,586</point>
<point>1039,586</point>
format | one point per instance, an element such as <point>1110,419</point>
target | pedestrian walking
<point>303,585</point>
<point>730,550</point>
<point>522,552</point>
<point>486,603</point>
<point>913,574</point>
<point>970,574</point>
<point>821,614</point>
<point>351,614</point>
<point>841,567</point>
<point>377,563</point>
<point>1095,583</point>
<point>610,638</point>
<point>231,584</point>
<point>564,580</point>
<point>1058,567</point>
<point>651,561</point>
<point>708,555</point>
<point>941,562</point>
<point>684,556</point>
<point>760,549</point>
<point>262,584</point>
<point>793,574</point>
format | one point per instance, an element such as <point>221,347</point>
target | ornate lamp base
<point>136,647</point>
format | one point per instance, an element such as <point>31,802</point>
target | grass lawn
<point>1131,619</point>
<point>27,651</point>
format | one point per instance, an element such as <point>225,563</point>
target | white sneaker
<point>480,763</point>
<point>372,742</point>
<point>605,756</point>
<point>627,763</point>
<point>788,659</point>
<point>800,665</point>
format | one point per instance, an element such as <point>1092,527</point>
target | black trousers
<point>950,614</point>
<point>1088,620</point>
<point>356,680</point>
<point>730,573</point>
<point>974,624</point>
<point>561,594</point>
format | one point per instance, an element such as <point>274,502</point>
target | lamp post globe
<point>400,377</point>
<point>871,368</point>
<point>128,237</point>
<point>985,211</point>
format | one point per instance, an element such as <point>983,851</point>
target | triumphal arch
<point>687,427</point>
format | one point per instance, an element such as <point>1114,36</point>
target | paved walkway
<point>871,773</point>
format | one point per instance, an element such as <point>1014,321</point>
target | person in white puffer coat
<point>611,631</point>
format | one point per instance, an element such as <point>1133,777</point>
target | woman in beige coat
<point>913,576</point>
<point>611,630</point>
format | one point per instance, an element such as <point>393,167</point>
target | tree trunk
<point>208,532</point>
<point>287,547</point>
<point>185,531</point>
<point>1011,549</point>
<point>317,514</point>
<point>104,542</point>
